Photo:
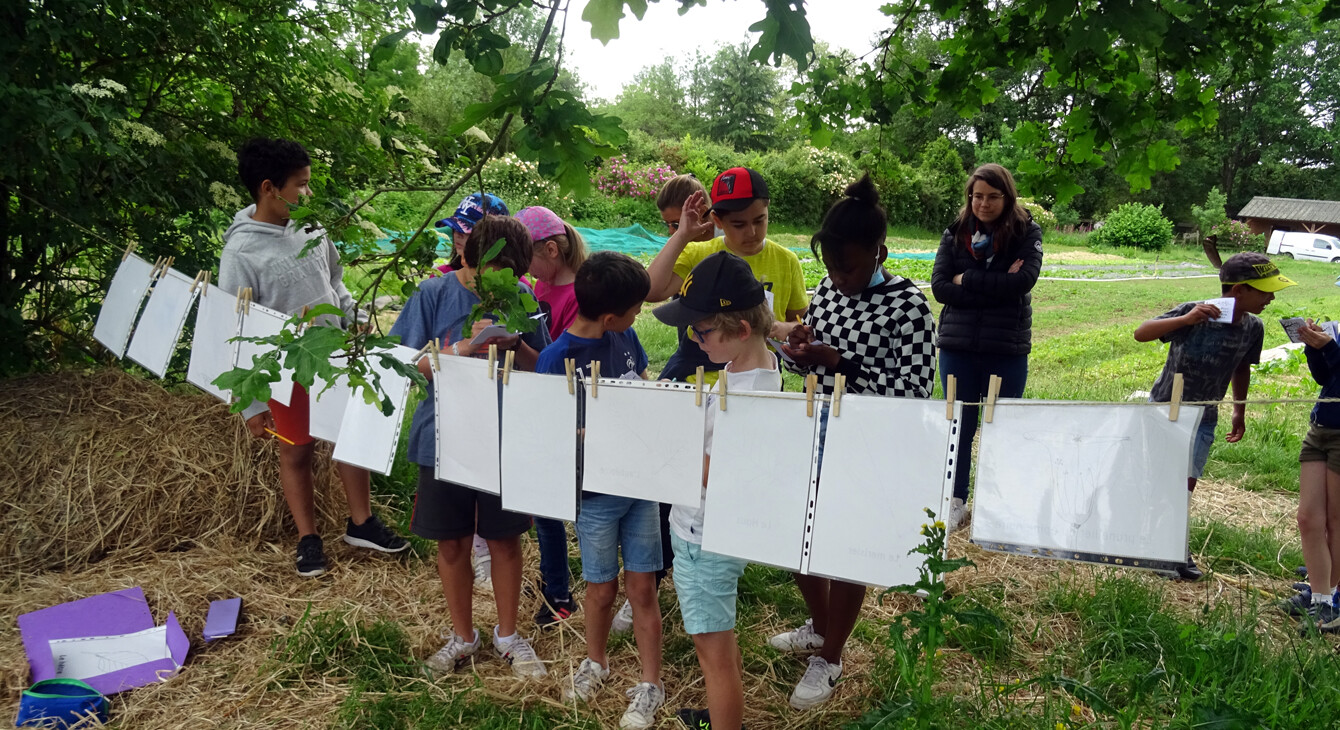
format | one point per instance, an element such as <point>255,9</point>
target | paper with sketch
<point>1291,326</point>
<point>90,656</point>
<point>1225,305</point>
<point>465,402</point>
<point>539,453</point>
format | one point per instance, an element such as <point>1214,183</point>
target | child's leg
<point>599,607</point>
<point>844,606</point>
<point>707,587</point>
<point>641,590</point>
<point>1312,518</point>
<point>719,656</point>
<point>552,536</point>
<point>453,569</point>
<point>295,474</point>
<point>357,491</point>
<point>598,537</point>
<point>506,581</point>
<point>1333,518</point>
<point>815,592</point>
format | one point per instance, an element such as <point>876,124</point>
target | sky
<point>846,24</point>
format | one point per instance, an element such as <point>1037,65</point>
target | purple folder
<point>222,618</point>
<point>109,614</point>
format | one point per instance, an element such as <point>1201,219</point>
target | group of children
<point>733,289</point>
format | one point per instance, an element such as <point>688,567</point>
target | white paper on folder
<point>369,438</point>
<point>258,321</point>
<point>216,322</point>
<point>539,446</point>
<point>122,303</point>
<point>160,326</point>
<point>756,507</point>
<point>466,411</point>
<point>860,497</point>
<point>644,439</point>
<point>1225,306</point>
<point>326,409</point>
<point>1092,479</point>
<point>94,655</point>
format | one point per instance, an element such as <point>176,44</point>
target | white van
<point>1301,245</point>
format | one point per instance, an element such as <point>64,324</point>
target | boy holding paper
<point>1211,353</point>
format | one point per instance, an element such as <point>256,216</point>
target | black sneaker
<point>1189,572</point>
<point>373,535</point>
<point>553,611</point>
<point>696,719</point>
<point>311,559</point>
<point>1299,604</point>
<point>1321,617</point>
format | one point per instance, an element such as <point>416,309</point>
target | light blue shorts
<point>707,586</point>
<point>1200,449</point>
<point>607,523</point>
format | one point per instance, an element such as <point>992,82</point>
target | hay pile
<point>92,463</point>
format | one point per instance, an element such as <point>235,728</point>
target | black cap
<point>722,282</point>
<point>1255,270</point>
<point>737,189</point>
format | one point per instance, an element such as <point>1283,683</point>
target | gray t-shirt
<point>1206,355</point>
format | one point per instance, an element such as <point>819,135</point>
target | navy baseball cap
<point>722,282</point>
<point>472,210</point>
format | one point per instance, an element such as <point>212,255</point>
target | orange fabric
<point>293,421</point>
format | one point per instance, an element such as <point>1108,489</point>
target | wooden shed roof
<point>1292,209</point>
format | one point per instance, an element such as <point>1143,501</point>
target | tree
<point>740,96</point>
<point>657,103</point>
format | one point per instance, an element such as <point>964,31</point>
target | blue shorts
<point>607,523</point>
<point>706,585</point>
<point>1200,449</point>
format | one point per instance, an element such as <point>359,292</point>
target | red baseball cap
<point>737,189</point>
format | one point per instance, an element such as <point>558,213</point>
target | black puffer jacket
<point>991,311</point>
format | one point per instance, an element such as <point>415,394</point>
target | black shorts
<point>447,511</point>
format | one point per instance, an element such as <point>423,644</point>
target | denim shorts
<point>707,586</point>
<point>607,523</point>
<point>1200,451</point>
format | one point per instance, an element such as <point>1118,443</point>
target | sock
<point>481,546</point>
<point>502,640</point>
<point>1320,598</point>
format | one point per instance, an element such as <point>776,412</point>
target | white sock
<point>1333,590</point>
<point>1320,598</point>
<point>502,640</point>
<point>481,547</point>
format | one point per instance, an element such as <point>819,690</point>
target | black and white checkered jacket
<point>885,335</point>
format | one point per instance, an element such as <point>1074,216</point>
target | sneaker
<point>1298,604</point>
<point>483,566</point>
<point>1322,617</point>
<point>373,535</point>
<point>311,558</point>
<point>959,516</point>
<point>800,641</point>
<point>1189,572</point>
<point>450,656</point>
<point>554,611</point>
<point>817,684</point>
<point>585,682</point>
<point>695,719</point>
<point>521,655</point>
<point>623,620</point>
<point>645,699</point>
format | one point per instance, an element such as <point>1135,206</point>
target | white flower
<point>90,92</point>
<point>112,86</point>
<point>372,137</point>
<point>125,129</point>
<point>221,149</point>
<point>225,196</point>
<point>394,90</point>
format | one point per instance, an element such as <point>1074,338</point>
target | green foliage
<point>782,32</point>
<point>1238,235</point>
<point>333,647</point>
<point>1137,225</point>
<point>928,194</point>
<point>1211,214</point>
<point>1041,215</point>
<point>804,181</point>
<point>520,184</point>
<point>739,96</point>
<point>703,158</point>
<point>500,297</point>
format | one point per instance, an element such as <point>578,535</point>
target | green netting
<point>633,240</point>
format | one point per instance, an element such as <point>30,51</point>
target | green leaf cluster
<point>1135,224</point>
<point>501,297</point>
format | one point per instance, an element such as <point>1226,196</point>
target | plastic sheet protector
<point>122,302</point>
<point>886,460</point>
<point>539,446</point>
<point>258,321</point>
<point>644,439</point>
<point>1095,483</point>
<point>216,322</point>
<point>326,409</point>
<point>368,437</point>
<point>160,326</point>
<point>467,415</point>
<point>758,506</point>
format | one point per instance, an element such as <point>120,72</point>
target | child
<point>740,209</point>
<point>451,513</point>
<point>1210,355</point>
<point>559,252</point>
<point>610,289</point>
<point>877,330</point>
<point>670,202</point>
<point>1319,471</point>
<point>472,209</point>
<point>723,306</point>
<point>263,250</point>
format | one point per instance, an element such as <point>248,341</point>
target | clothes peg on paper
<point>595,377</point>
<point>839,385</point>
<point>130,249</point>
<point>241,293</point>
<point>204,282</point>
<point>721,387</point>
<point>951,394</point>
<point>493,361</point>
<point>1175,404</point>
<point>196,281</point>
<point>435,348</point>
<point>811,382</point>
<point>992,392</point>
<point>507,365</point>
<point>570,369</point>
<point>698,396</point>
<point>167,265</point>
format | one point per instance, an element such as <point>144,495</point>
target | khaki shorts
<point>1322,444</point>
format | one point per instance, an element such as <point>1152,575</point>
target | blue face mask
<point>877,277</point>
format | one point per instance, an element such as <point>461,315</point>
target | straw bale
<point>104,461</point>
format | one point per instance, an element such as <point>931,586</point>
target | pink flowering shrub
<point>1237,233</point>
<point>619,179</point>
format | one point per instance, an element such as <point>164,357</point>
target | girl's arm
<point>943,286</point>
<point>1322,353</point>
<point>661,270</point>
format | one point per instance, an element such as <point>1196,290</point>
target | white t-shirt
<point>687,522</point>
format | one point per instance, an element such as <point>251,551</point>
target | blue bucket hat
<point>472,210</point>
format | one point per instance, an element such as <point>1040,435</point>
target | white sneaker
<point>800,641</point>
<point>450,656</point>
<point>483,566</point>
<point>646,698</point>
<point>959,516</point>
<point>817,684</point>
<point>623,620</point>
<point>586,681</point>
<point>521,655</point>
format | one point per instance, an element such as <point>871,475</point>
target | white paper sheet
<point>1085,480</point>
<point>258,321</point>
<point>122,303</point>
<point>466,403</point>
<point>885,462</point>
<point>326,410</point>
<point>1225,306</point>
<point>216,322</point>
<point>160,326</point>
<point>758,487</point>
<point>644,439</point>
<point>539,446</point>
<point>368,438</point>
<point>94,655</point>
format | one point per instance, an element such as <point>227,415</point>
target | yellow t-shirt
<point>776,266</point>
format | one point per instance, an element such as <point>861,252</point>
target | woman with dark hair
<point>986,267</point>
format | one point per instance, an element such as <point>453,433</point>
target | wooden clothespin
<point>698,396</point>
<point>167,265</point>
<point>153,273</point>
<point>951,394</point>
<point>204,282</point>
<point>992,392</point>
<point>130,249</point>
<point>241,292</point>
<point>570,368</point>
<point>196,281</point>
<point>595,377</point>
<point>434,347</point>
<point>1175,405</point>
<point>811,382</point>
<point>493,361</point>
<point>721,390</point>
<point>422,351</point>
<point>507,365</point>
<point>247,306</point>
<point>839,385</point>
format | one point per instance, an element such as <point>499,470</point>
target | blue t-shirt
<point>438,310</point>
<point>618,353</point>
